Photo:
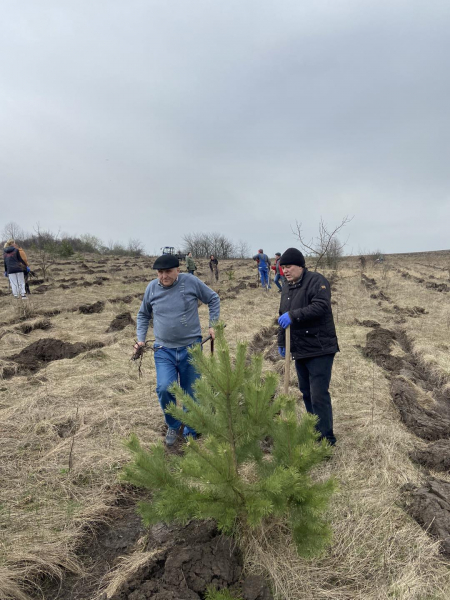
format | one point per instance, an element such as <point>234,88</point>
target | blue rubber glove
<point>28,269</point>
<point>282,351</point>
<point>284,320</point>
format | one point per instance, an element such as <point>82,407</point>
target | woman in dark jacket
<point>16,266</point>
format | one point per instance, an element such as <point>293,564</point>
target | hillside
<point>70,396</point>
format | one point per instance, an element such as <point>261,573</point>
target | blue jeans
<point>173,364</point>
<point>264,275</point>
<point>276,280</point>
<point>314,376</point>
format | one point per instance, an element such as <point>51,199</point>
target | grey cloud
<point>151,119</point>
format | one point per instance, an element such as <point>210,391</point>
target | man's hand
<point>137,346</point>
<point>282,351</point>
<point>212,333</point>
<point>285,320</point>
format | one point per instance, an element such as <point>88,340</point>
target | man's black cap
<point>292,256</point>
<point>166,261</point>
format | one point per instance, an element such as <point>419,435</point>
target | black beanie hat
<point>292,256</point>
<point>166,261</point>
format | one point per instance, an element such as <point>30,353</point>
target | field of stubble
<point>70,395</point>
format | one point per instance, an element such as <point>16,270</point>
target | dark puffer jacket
<point>14,262</point>
<point>308,303</point>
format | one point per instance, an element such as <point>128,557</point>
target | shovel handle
<point>287,359</point>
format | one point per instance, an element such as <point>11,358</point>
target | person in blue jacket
<point>263,267</point>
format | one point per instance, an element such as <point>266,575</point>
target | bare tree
<point>45,247</point>
<point>326,245</point>
<point>202,245</point>
<point>242,249</point>
<point>92,242</point>
<point>135,247</point>
<point>12,231</point>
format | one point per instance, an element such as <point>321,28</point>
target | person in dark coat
<point>306,307</point>
<point>214,267</point>
<point>16,267</point>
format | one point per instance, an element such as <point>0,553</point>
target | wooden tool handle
<point>287,359</point>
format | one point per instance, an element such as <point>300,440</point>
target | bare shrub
<point>325,247</point>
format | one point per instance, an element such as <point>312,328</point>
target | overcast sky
<point>151,119</point>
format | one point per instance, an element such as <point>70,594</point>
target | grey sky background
<point>152,119</point>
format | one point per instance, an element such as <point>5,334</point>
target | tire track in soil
<point>424,407</point>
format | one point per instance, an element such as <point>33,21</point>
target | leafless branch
<point>325,244</point>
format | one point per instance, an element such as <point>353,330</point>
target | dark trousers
<point>314,376</point>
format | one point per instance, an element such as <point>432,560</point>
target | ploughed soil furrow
<point>266,343</point>
<point>232,292</point>
<point>38,354</point>
<point>399,311</point>
<point>126,299</point>
<point>175,562</point>
<point>429,505</point>
<point>120,322</point>
<point>424,407</point>
<point>89,309</point>
<point>430,285</point>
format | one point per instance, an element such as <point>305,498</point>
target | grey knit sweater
<point>174,311</point>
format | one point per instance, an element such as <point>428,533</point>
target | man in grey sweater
<point>171,301</point>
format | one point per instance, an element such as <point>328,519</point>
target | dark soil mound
<point>37,354</point>
<point>427,423</point>
<point>367,323</point>
<point>120,322</point>
<point>435,456</point>
<point>188,560</point>
<point>378,347</point>
<point>124,299</point>
<point>67,286</point>
<point>263,339</point>
<point>430,507</point>
<point>91,283</point>
<point>380,296</point>
<point>253,285</point>
<point>29,327</point>
<point>41,289</point>
<point>367,282</point>
<point>240,286</point>
<point>439,287</point>
<point>89,309</point>
<point>414,311</point>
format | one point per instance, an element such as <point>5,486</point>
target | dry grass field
<point>70,395</point>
